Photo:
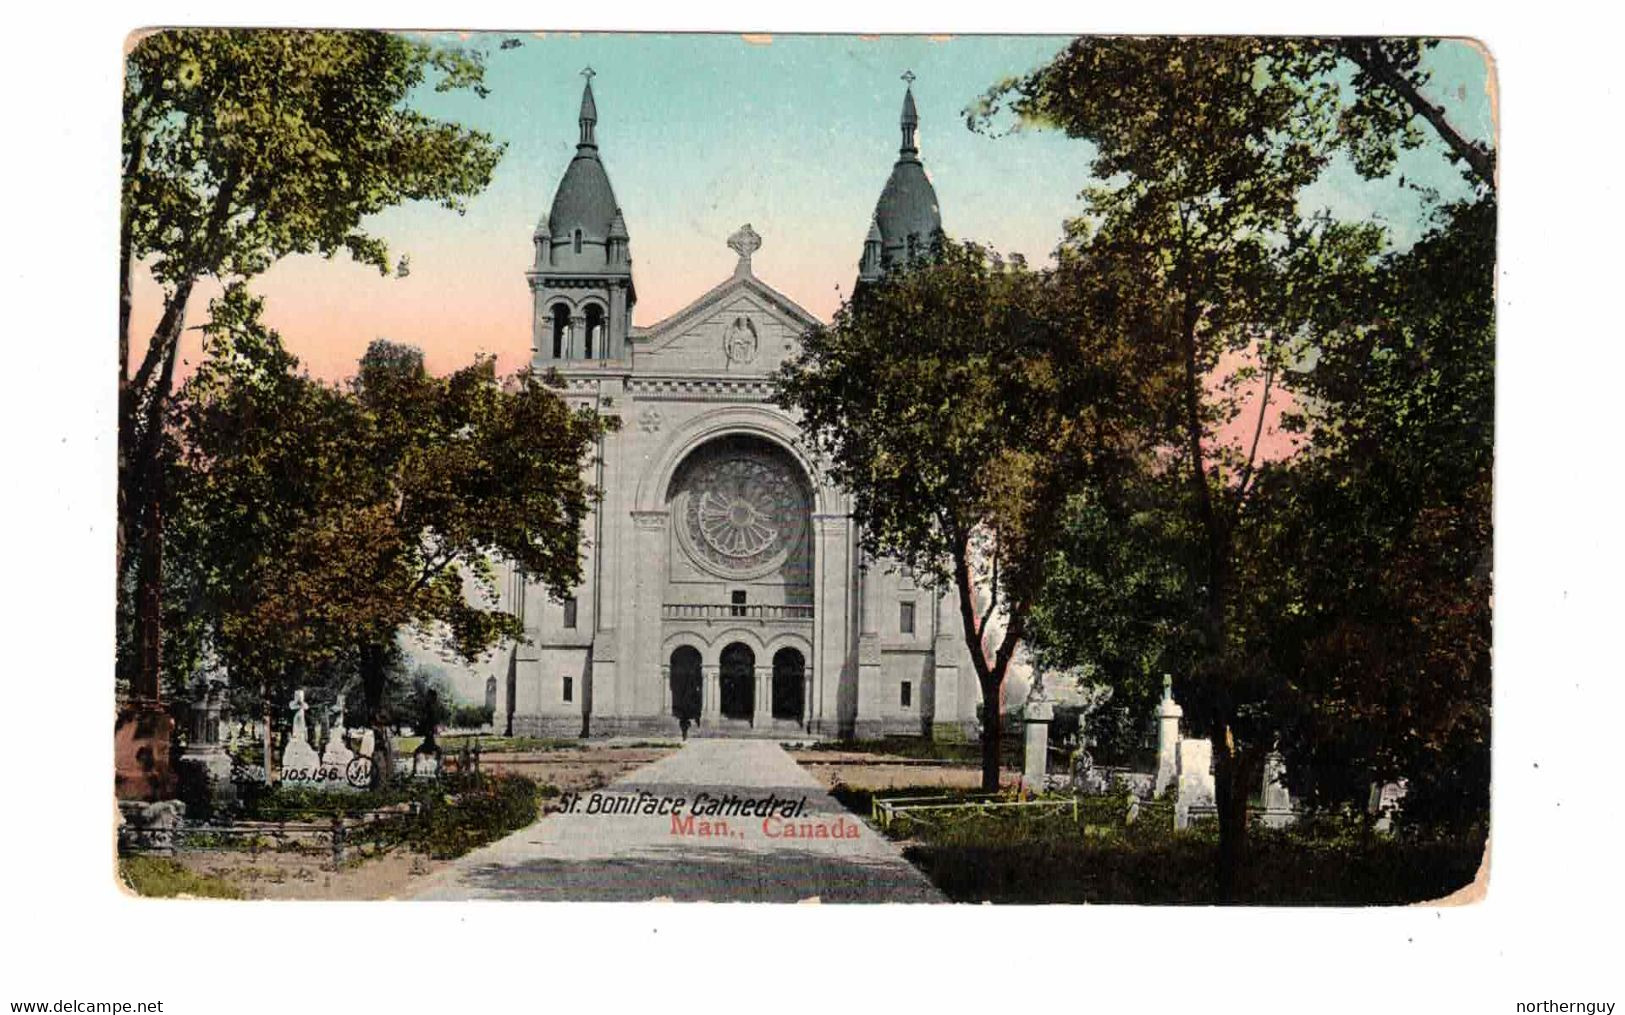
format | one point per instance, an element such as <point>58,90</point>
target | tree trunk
<point>992,727</point>
<point>374,679</point>
<point>144,499</point>
<point>1230,787</point>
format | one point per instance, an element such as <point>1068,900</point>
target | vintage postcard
<point>706,467</point>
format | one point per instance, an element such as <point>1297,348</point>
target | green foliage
<point>444,817</point>
<point>160,878</point>
<point>245,145</point>
<point>241,147</point>
<point>313,523</point>
<point>1328,599</point>
<point>470,716</point>
<point>1027,858</point>
<point>961,402</point>
<point>459,814</point>
<point>1387,529</point>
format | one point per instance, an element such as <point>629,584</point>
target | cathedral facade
<point>722,580</point>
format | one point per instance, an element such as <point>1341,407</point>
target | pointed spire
<point>910,119</point>
<point>589,111</point>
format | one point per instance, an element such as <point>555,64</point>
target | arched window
<point>595,331</point>
<point>578,241</point>
<point>561,330</point>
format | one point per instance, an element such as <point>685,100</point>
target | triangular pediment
<point>742,326</point>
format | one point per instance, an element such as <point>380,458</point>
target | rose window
<point>742,516</point>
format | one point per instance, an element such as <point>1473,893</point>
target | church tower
<point>907,222</point>
<point>581,281</point>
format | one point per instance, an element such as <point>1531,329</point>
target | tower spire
<point>589,111</point>
<point>910,119</point>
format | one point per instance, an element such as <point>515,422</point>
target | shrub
<point>160,878</point>
<point>469,717</point>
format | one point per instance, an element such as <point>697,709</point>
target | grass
<point>404,746</point>
<point>161,878</point>
<point>1029,859</point>
<point>920,748</point>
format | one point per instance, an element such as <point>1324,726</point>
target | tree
<point>241,147</point>
<point>463,472</point>
<point>1117,601</point>
<point>319,521</point>
<point>1388,525</point>
<point>960,405</point>
<point>1203,148</point>
<point>1388,98</point>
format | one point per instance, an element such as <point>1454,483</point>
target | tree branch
<point>1258,431</point>
<point>1367,55</point>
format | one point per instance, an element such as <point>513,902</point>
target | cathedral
<point>722,581</point>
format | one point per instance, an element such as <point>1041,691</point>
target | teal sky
<point>702,133</point>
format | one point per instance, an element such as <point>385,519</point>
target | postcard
<point>707,467</point>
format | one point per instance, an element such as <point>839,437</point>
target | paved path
<point>632,857</point>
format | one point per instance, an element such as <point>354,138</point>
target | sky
<point>703,133</point>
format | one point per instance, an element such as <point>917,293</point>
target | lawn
<point>1011,858</point>
<point>160,878</point>
<point>404,746</point>
<point>967,752</point>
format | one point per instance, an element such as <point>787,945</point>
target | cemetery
<point>320,828</point>
<point>1064,830</point>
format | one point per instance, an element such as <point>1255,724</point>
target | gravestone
<point>427,760</point>
<point>1277,800</point>
<point>337,756</point>
<point>1194,784</point>
<point>1168,716</point>
<point>204,769</point>
<point>1385,800</point>
<point>300,764</point>
<point>1036,716</point>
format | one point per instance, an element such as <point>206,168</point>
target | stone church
<point>722,581</point>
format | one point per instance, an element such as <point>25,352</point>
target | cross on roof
<point>745,242</point>
<point>589,73</point>
<point>908,76</point>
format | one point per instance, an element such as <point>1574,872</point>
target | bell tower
<point>907,224</point>
<point>581,279</point>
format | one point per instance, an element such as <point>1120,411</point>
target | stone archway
<point>789,688</point>
<point>686,690</point>
<point>737,681</point>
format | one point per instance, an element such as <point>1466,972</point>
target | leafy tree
<point>1117,602</point>
<point>1204,146</point>
<point>241,147</point>
<point>1389,82</point>
<point>320,521</point>
<point>462,472</point>
<point>960,404</point>
<point>1387,520</point>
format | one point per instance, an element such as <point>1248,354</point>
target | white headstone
<point>1195,779</point>
<point>1277,800</point>
<point>1168,716</point>
<point>337,756</point>
<point>1036,716</point>
<point>1385,800</point>
<point>300,763</point>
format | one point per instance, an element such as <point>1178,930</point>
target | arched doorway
<point>685,682</point>
<point>738,680</point>
<point>789,668</point>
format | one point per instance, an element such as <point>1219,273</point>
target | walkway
<point>720,857</point>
